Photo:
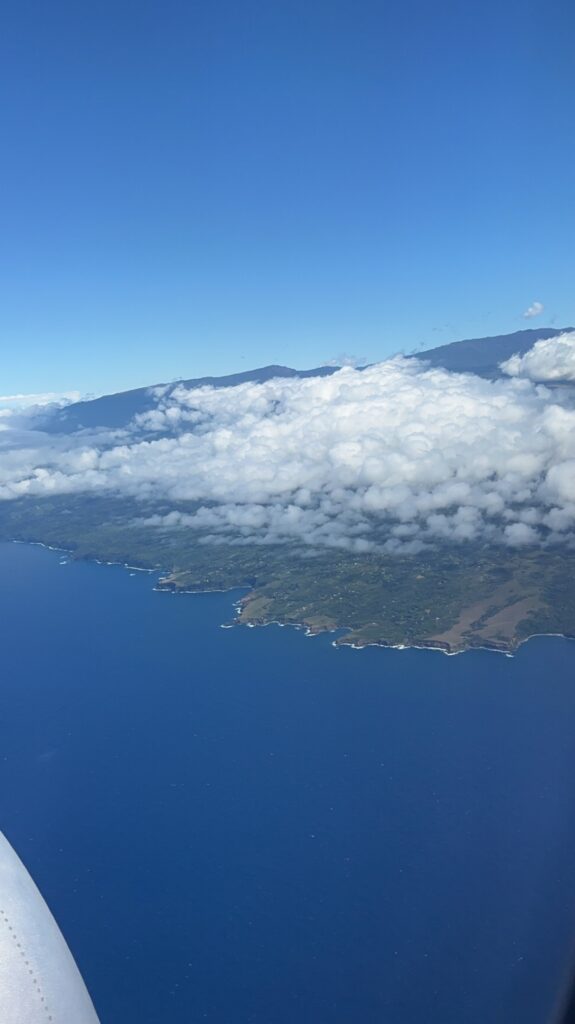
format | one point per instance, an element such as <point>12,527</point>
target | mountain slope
<point>117,410</point>
<point>477,355</point>
<point>483,355</point>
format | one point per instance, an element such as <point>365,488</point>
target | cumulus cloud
<point>535,309</point>
<point>392,457</point>
<point>549,360</point>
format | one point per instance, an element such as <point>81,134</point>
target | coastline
<point>507,651</point>
<point>70,553</point>
<point>164,585</point>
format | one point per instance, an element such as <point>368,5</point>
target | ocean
<point>248,826</point>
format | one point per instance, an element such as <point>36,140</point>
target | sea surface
<point>248,826</point>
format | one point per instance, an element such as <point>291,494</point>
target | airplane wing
<point>39,980</point>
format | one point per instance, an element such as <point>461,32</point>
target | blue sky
<point>193,188</point>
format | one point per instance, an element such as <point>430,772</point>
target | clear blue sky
<point>205,187</point>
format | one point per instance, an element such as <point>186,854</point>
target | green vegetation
<point>451,597</point>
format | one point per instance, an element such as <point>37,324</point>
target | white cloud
<point>519,534</point>
<point>26,401</point>
<point>549,360</point>
<point>394,456</point>
<point>346,359</point>
<point>535,309</point>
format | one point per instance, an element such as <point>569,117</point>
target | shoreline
<point>304,627</point>
<point>308,631</point>
<point>70,552</point>
<point>508,652</point>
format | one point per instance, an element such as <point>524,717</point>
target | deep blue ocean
<point>247,826</point>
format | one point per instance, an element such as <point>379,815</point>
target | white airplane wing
<point>39,980</point>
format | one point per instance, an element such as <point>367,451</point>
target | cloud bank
<point>45,398</point>
<point>392,457</point>
<point>550,360</point>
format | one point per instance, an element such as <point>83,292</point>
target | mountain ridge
<point>474,355</point>
<point>483,355</point>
